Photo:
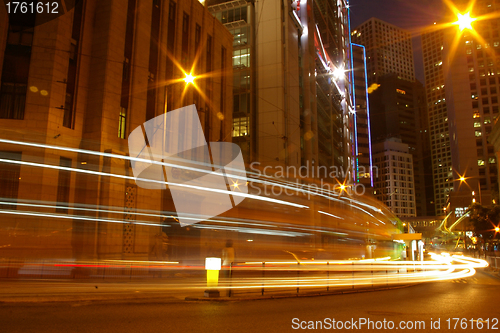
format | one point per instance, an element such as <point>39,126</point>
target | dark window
<point>185,41</point>
<point>222,88</point>
<point>197,38</point>
<point>209,53</point>
<point>14,81</point>
<point>71,88</point>
<point>125,95</point>
<point>12,100</point>
<point>63,186</point>
<point>170,52</point>
<point>153,60</point>
<point>9,178</point>
<point>244,14</point>
<point>197,45</point>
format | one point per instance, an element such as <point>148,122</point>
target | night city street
<point>249,165</point>
<point>471,298</point>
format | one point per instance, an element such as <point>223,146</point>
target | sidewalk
<point>15,291</point>
<point>38,291</point>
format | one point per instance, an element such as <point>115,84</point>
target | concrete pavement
<point>472,298</point>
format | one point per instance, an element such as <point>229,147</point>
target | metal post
<point>372,273</point>
<point>43,265</point>
<point>298,276</point>
<point>327,276</point>
<point>353,275</point>
<point>8,268</point>
<point>263,275</point>
<point>230,279</point>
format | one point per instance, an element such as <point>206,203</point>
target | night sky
<point>412,15</point>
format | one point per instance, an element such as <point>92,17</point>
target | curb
<point>159,298</point>
<point>493,274</point>
<point>316,294</point>
<point>68,299</point>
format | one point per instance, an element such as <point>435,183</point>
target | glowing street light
<point>338,73</point>
<point>465,21</point>
<point>462,179</point>
<point>189,78</point>
<point>497,229</point>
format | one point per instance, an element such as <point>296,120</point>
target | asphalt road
<point>471,298</point>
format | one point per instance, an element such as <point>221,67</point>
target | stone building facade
<point>72,89</point>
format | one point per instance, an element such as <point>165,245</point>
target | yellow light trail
<point>342,273</point>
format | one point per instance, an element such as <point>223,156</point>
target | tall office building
<point>389,49</point>
<point>364,160</point>
<point>290,109</point>
<point>462,70</point>
<point>398,110</point>
<point>397,100</point>
<point>72,89</point>
<point>394,183</point>
<point>442,170</point>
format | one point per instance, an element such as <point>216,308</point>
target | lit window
<point>240,127</point>
<point>122,123</point>
<point>241,58</point>
<point>480,162</point>
<point>478,133</point>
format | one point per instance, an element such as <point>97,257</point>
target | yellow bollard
<point>213,266</point>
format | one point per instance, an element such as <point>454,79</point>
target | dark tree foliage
<point>485,219</point>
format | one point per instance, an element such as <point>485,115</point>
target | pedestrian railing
<point>261,278</point>
<point>494,262</point>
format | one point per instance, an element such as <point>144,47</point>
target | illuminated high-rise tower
<point>388,49</point>
<point>462,69</point>
<point>364,160</point>
<point>397,100</point>
<point>293,92</point>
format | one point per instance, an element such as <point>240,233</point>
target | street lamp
<point>464,180</point>
<point>465,21</point>
<point>189,78</point>
<point>338,73</point>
